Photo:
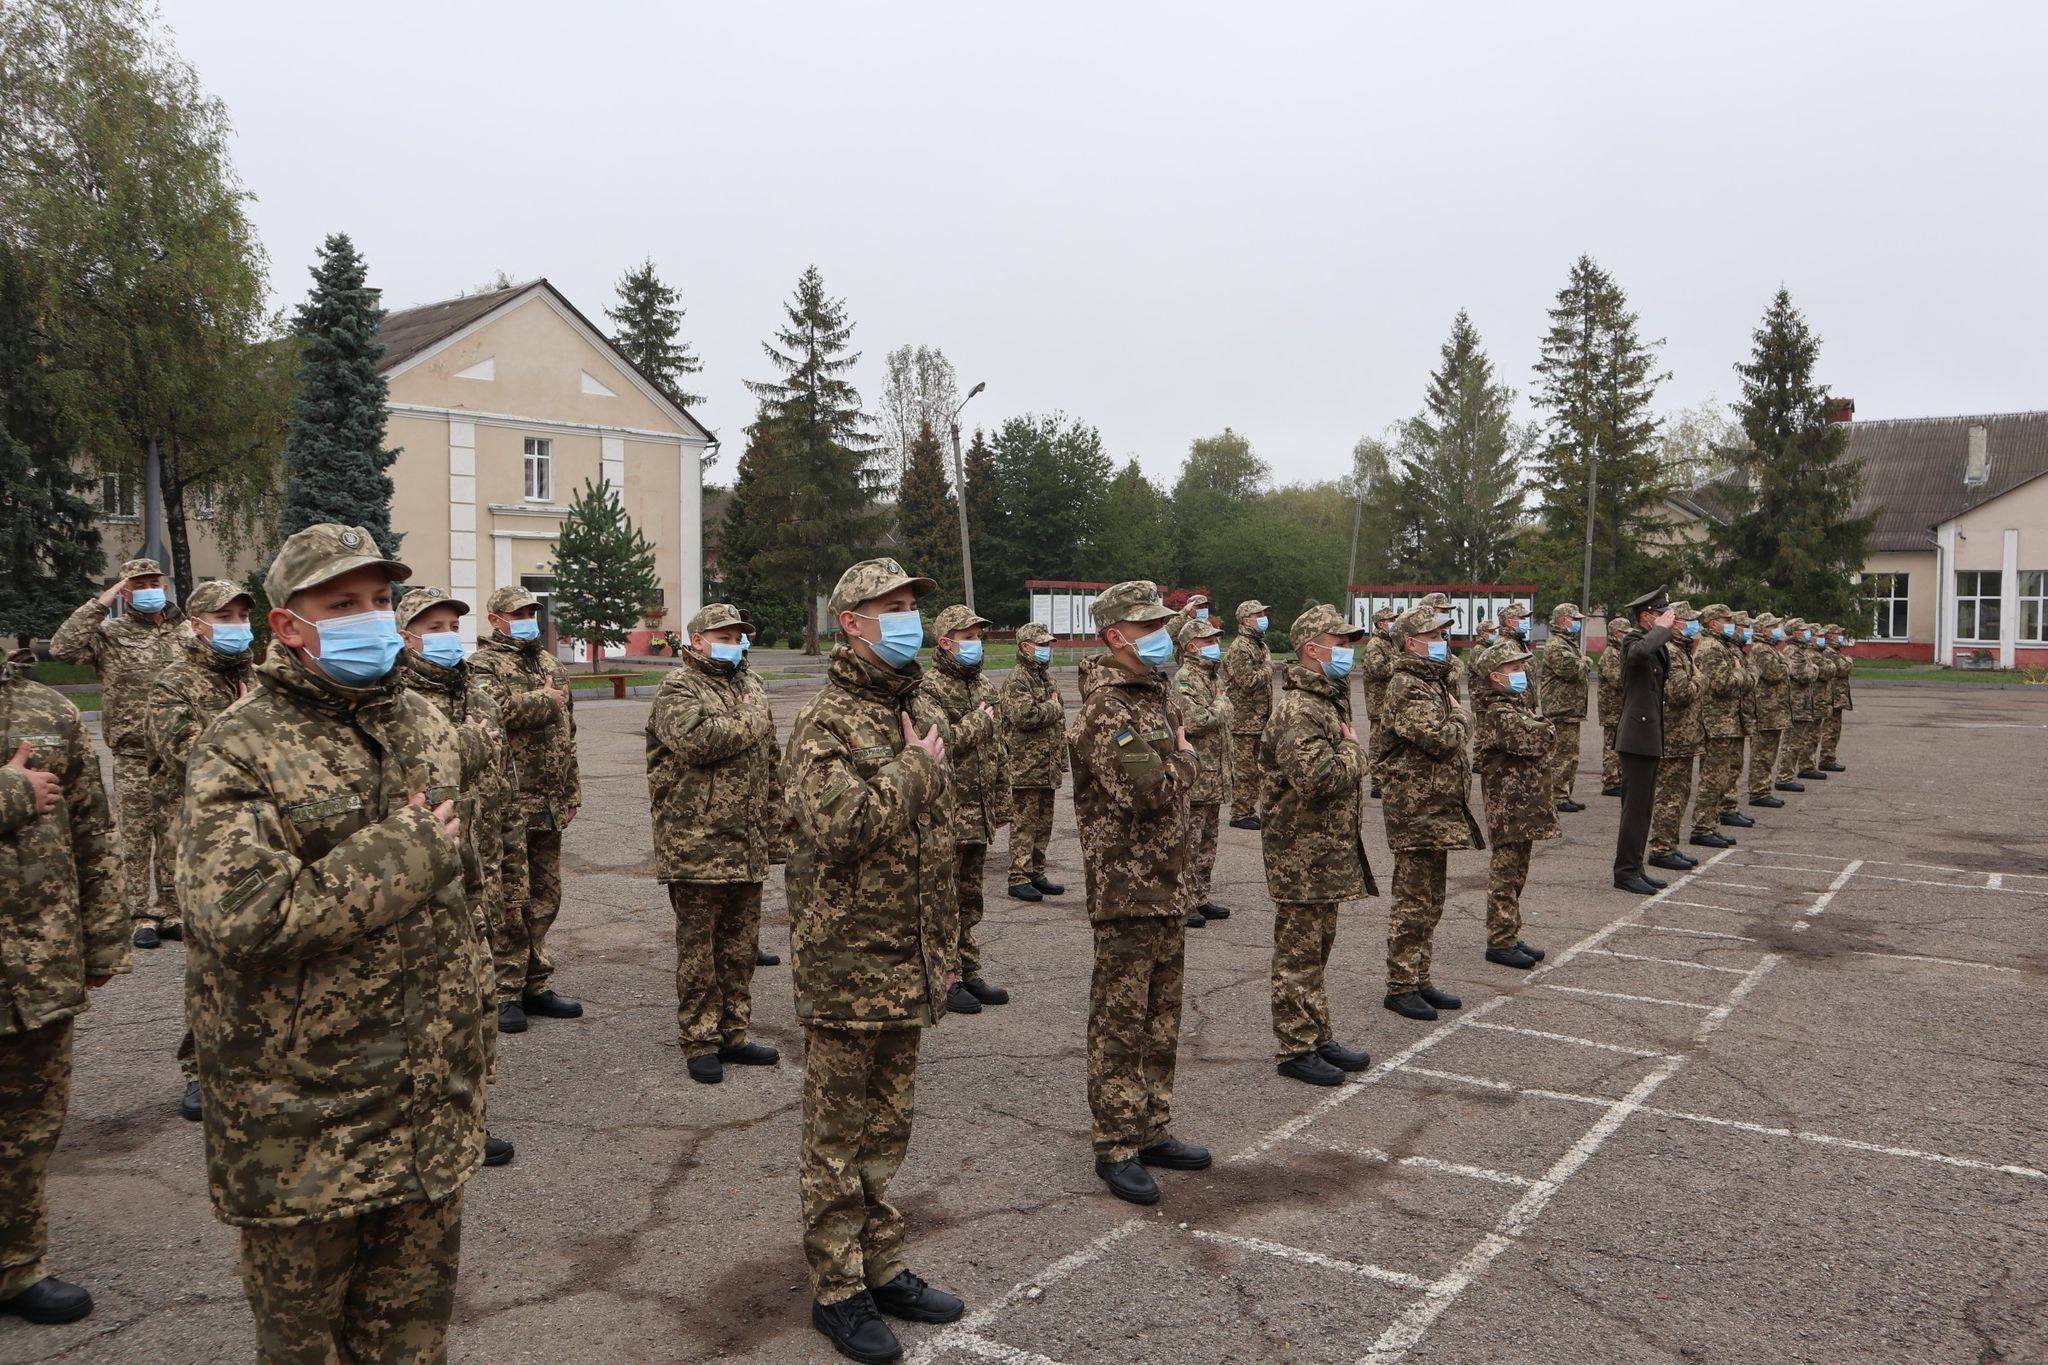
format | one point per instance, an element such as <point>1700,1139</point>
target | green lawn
<point>583,682</point>
<point>1920,670</point>
<point>52,672</point>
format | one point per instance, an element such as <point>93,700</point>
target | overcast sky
<point>1168,218</point>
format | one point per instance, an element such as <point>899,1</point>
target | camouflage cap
<point>1250,607</point>
<point>1033,634</point>
<point>1420,621</point>
<point>1384,614</point>
<point>957,617</point>
<point>1831,629</point>
<point>1439,600</point>
<point>1195,599</point>
<point>716,616</point>
<point>1136,601</point>
<point>1715,610</point>
<point>1791,625</point>
<point>419,599</point>
<point>1618,626</point>
<point>1511,609</point>
<point>1321,619</point>
<point>1763,620</point>
<point>871,578</point>
<point>1504,651</point>
<point>507,600</point>
<point>141,568</point>
<point>1192,629</point>
<point>1567,609</point>
<point>1743,618</point>
<point>215,594</point>
<point>1684,611</point>
<point>324,552</point>
<point>1484,624</point>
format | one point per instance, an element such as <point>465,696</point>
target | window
<point>540,469</point>
<point>117,496</point>
<point>1886,594</point>
<point>2034,606</point>
<point>1977,605</point>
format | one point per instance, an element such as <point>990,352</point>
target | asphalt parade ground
<point>1792,1108</point>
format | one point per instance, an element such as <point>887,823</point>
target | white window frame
<point>2033,599</point>
<point>1890,616</point>
<point>538,469</point>
<point>117,498</point>
<point>1976,600</point>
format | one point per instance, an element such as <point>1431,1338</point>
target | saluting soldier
<point>1376,669</point>
<point>874,931</point>
<point>1684,735</point>
<point>1207,714</point>
<point>1610,705</point>
<point>1248,683</point>
<point>1561,695</point>
<point>62,935</point>
<point>129,652</point>
<point>1717,660</point>
<point>1134,771</point>
<point>1427,774</point>
<point>1745,658</point>
<point>1772,710</point>
<point>1837,700</point>
<point>1639,734</point>
<point>1315,776</point>
<point>1035,747</point>
<point>1513,754</point>
<point>981,785</point>
<point>1802,673</point>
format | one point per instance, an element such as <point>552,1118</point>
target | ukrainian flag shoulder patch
<point>1124,737</point>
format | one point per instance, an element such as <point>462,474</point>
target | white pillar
<point>1945,593</point>
<point>691,547</point>
<point>2009,600</point>
<point>462,522</point>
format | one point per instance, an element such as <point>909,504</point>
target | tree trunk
<point>810,617</point>
<point>596,654</point>
<point>175,529</point>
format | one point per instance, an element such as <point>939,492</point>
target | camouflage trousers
<point>1610,761</point>
<point>35,1088</point>
<point>143,829</point>
<point>521,954</point>
<point>860,1088</point>
<point>1830,734</point>
<point>1030,832</point>
<point>1244,775</point>
<point>375,1287</point>
<point>968,862</point>
<point>1134,1031</point>
<point>1763,761</point>
<point>718,925</point>
<point>1667,808</point>
<point>1303,934</point>
<point>1376,750</point>
<point>1203,822</point>
<point>1796,750</point>
<point>1720,771</point>
<point>1507,872</point>
<point>1564,758</point>
<point>1419,877</point>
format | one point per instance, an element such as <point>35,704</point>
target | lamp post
<point>960,503</point>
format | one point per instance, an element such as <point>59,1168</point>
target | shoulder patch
<point>1123,737</point>
<point>243,891</point>
<point>872,751</point>
<point>320,810</point>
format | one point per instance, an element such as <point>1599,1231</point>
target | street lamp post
<point>960,502</point>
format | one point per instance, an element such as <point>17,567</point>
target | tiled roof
<point>1913,469</point>
<point>408,331</point>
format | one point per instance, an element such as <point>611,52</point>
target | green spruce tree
<point>928,515</point>
<point>1049,476</point>
<point>604,572</point>
<point>1459,488</point>
<point>984,512</point>
<point>648,321</point>
<point>335,461</point>
<point>1220,479</point>
<point>1790,538</point>
<point>741,534</point>
<point>1134,531</point>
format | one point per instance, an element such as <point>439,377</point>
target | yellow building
<point>501,405</point>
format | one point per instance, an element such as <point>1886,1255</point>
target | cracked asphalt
<point>1842,1163</point>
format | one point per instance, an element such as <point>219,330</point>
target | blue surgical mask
<point>357,650</point>
<point>443,647</point>
<point>1201,613</point>
<point>1522,629</point>
<point>1777,634</point>
<point>1042,653</point>
<point>1439,650</point>
<point>746,643</point>
<point>527,629</point>
<point>1576,626</point>
<point>968,652</point>
<point>729,654</point>
<point>1262,625</point>
<point>1338,666</point>
<point>902,636</point>
<point>232,638</point>
<point>1212,651</point>
<point>1155,649</point>
<point>1728,629</point>
<point>148,599</point>
<point>1518,682</point>
<point>1748,634</point>
<point>1806,636</point>
<point>1692,628</point>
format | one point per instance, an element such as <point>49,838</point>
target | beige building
<point>501,405</point>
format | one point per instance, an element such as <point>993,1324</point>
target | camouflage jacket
<point>974,748</point>
<point>334,973</point>
<point>1513,750</point>
<point>714,774</point>
<point>1718,704</point>
<point>1838,685</point>
<point>201,683</point>
<point>1248,682</point>
<point>542,730</point>
<point>1610,683</point>
<point>495,821</point>
<point>1683,731</point>
<point>1376,655</point>
<point>1207,712</point>
<point>129,654</point>
<point>1559,678</point>
<point>873,916</point>
<point>1310,805</point>
<point>1034,738</point>
<point>1802,666</point>
<point>1773,705</point>
<point>1746,670</point>
<point>1428,778</point>
<point>1132,785</point>
<point>60,896</point>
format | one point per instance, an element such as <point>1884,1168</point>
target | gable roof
<point>409,333</point>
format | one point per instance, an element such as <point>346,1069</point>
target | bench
<point>617,680</point>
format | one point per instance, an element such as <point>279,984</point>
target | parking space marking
<point>1725,909</point>
<point>1302,1256</point>
<point>1426,1163</point>
<point>1621,995</point>
<point>1669,962</point>
<point>1569,1038</point>
<point>988,1348</point>
<point>1821,901</point>
<point>1943,961</point>
<point>1696,933</point>
<point>966,1332</point>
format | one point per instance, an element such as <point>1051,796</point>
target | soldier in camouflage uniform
<point>335,985</point>
<point>714,781</point>
<point>1745,656</point>
<point>981,785</point>
<point>1206,711</point>
<point>874,932</point>
<point>1772,708</point>
<point>1718,667</point>
<point>1248,685</point>
<point>1427,775</point>
<point>1802,673</point>
<point>1134,771</point>
<point>1315,775</point>
<point>1375,670</point>
<point>1035,744</point>
<point>62,933</point>
<point>1684,736</point>
<point>1610,706</point>
<point>1561,696</point>
<point>532,692</point>
<point>1511,751</point>
<point>211,672</point>
<point>129,652</point>
<point>1836,700</point>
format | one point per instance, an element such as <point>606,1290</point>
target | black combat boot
<point>1671,862</point>
<point>1311,1068</point>
<point>1536,953</point>
<point>1767,801</point>
<point>960,1000</point>
<point>706,1069</point>
<point>749,1054</point>
<point>855,1329</point>
<point>171,931</point>
<point>911,1299</point>
<point>764,958</point>
<point>1442,1000</point>
<point>1025,891</point>
<point>1047,886</point>
<point>49,1301</point>
<point>1128,1180</point>
<point>1411,1004</point>
<point>1737,820</point>
<point>191,1105</point>
<point>1211,910</point>
<point>1343,1058</point>
<point>1174,1155</point>
<point>1709,839</point>
<point>497,1151</point>
<point>146,936</point>
<point>985,993</point>
<point>548,1005</point>
<point>511,1018</point>
<point>1510,957</point>
<point>1569,806</point>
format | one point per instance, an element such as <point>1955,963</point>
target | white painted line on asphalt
<point>1820,902</point>
<point>1671,962</point>
<point>1618,995</point>
<point>1696,933</point>
<point>1568,1038</point>
<point>1744,886</point>
<point>1427,1163</point>
<point>1889,862</point>
<point>968,1329</point>
<point>1994,881</point>
<point>1315,1258</point>
<point>1725,909</point>
<point>988,1348</point>
<point>1795,853</point>
<point>1954,886</point>
<point>1943,961</point>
